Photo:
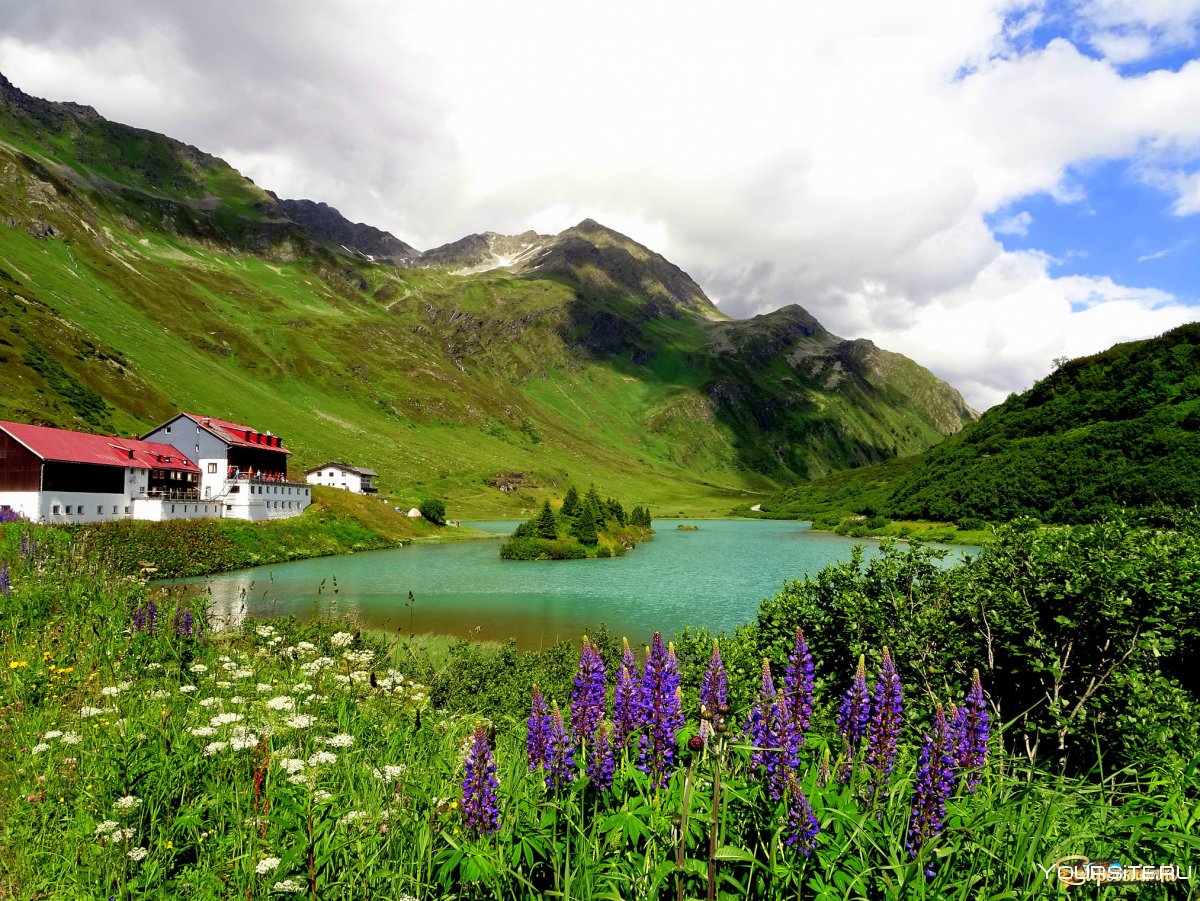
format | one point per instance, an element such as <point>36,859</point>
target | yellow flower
<point>17,664</point>
<point>170,845</point>
<point>66,670</point>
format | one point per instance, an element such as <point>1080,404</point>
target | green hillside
<point>1120,428</point>
<point>139,276</point>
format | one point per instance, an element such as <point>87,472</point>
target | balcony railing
<point>170,494</point>
<point>259,478</point>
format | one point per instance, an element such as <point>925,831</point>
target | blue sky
<point>981,185</point>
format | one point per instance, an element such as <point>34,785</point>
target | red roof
<point>63,446</point>
<point>239,435</point>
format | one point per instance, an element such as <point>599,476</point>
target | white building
<point>58,476</point>
<point>344,476</point>
<point>242,469</point>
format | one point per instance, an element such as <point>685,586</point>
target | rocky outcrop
<point>327,226</point>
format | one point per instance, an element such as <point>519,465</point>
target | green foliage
<point>1118,429</point>
<point>546,525</point>
<point>86,403</point>
<point>434,511</point>
<point>570,504</point>
<point>585,524</point>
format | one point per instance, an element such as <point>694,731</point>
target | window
<point>126,511</point>
<point>330,473</point>
<point>229,508</point>
<point>212,467</point>
<point>99,510</point>
<point>68,509</point>
<point>197,430</point>
<point>55,510</point>
<point>197,450</point>
<point>172,508</point>
<point>168,430</point>
<point>114,509</point>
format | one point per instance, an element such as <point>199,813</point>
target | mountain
<point>139,275</point>
<point>325,224</point>
<point>1121,427</point>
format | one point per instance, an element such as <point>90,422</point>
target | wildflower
<point>481,813</point>
<point>265,631</point>
<point>587,696</point>
<point>136,854</point>
<point>267,865</point>
<point>242,673</point>
<point>127,803</point>
<point>887,707</point>
<point>71,738</point>
<point>537,733</point>
<point>209,702</point>
<point>290,765</point>
<point>659,710</point>
<point>202,731</point>
<point>290,887</point>
<point>970,731</point>
<point>340,741</point>
<point>186,689</point>
<point>601,764</point>
<point>186,625</point>
<point>300,721</point>
<point>52,735</point>
<point>111,691</point>
<point>760,726</point>
<point>322,757</point>
<point>853,718</point>
<point>934,783</point>
<point>352,817</point>
<point>5,581</point>
<point>798,683</point>
<point>107,826</point>
<point>391,773</point>
<point>225,719</point>
<point>560,764</point>
<point>714,687</point>
<point>306,647</point>
<point>802,825</point>
<point>281,702</point>
<point>341,639</point>
<point>198,668</point>
<point>39,748</point>
<point>215,747</point>
<point>624,710</point>
<point>158,694</point>
<point>17,664</point>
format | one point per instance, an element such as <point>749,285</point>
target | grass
<point>287,759</point>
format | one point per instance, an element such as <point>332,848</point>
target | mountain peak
<point>328,226</point>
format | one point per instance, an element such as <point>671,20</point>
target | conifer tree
<point>570,504</point>
<point>614,510</point>
<point>585,524</point>
<point>546,525</point>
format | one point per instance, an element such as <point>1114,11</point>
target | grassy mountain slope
<point>139,275</point>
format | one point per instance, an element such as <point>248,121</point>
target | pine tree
<point>593,497</point>
<point>614,510</point>
<point>585,524</point>
<point>546,525</point>
<point>570,504</point>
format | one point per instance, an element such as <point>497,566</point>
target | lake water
<point>713,577</point>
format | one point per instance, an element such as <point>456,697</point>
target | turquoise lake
<point>713,577</point>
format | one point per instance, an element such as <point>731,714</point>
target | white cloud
<point>797,154</point>
<point>1017,224</point>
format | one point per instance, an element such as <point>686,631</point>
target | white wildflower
<point>215,747</point>
<point>265,631</point>
<point>111,691</point>
<point>224,684</point>
<point>237,699</point>
<point>128,803</point>
<point>158,694</point>
<point>71,738</point>
<point>360,675</point>
<point>40,748</point>
<point>322,757</point>
<point>306,647</point>
<point>300,721</point>
<point>52,734</point>
<point>202,731</point>
<point>291,764</point>
<point>263,688</point>
<point>293,887</point>
<point>242,744</point>
<point>154,666</point>
<point>341,679</point>
<point>137,854</point>
<point>267,865</point>
<point>341,740</point>
<point>123,835</point>
<point>198,668</point>
<point>361,657</point>
<point>391,773</point>
<point>106,827</point>
<point>322,795</point>
<point>209,702</point>
<point>341,639</point>
<point>225,719</point>
<point>301,686</point>
<point>187,689</point>
<point>87,712</point>
<point>298,779</point>
<point>243,674</point>
<point>352,816</point>
<point>316,699</point>
<point>281,702</point>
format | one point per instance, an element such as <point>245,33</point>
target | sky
<point>983,186</point>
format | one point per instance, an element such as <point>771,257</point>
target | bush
<point>434,511</point>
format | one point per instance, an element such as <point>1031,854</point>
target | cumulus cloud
<point>795,153</point>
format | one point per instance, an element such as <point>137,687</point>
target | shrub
<point>434,511</point>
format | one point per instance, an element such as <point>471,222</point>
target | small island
<point>583,527</point>
<point>684,527</point>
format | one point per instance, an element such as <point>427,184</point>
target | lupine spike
<point>798,683</point>
<point>887,709</point>
<point>587,695</point>
<point>934,784</point>
<point>971,728</point>
<point>481,812</point>
<point>625,715</point>
<point>660,711</point>
<point>560,769</point>
<point>5,581</point>
<point>601,763</point>
<point>802,825</point>
<point>853,718</point>
<point>715,686</point>
<point>537,734</point>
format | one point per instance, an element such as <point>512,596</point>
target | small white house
<point>342,475</point>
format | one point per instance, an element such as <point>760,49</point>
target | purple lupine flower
<point>185,624</point>
<point>970,729</point>
<point>715,686</point>
<point>798,684</point>
<point>759,727</point>
<point>587,697</point>
<point>151,616</point>
<point>853,718</point>
<point>28,546</point>
<point>560,768</point>
<point>481,811</point>
<point>802,825</point>
<point>5,581</point>
<point>537,735</point>
<point>887,709</point>
<point>8,514</point>
<point>782,754</point>
<point>625,717</point>
<point>934,784</point>
<point>659,711</point>
<point>139,619</point>
<point>601,764</point>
